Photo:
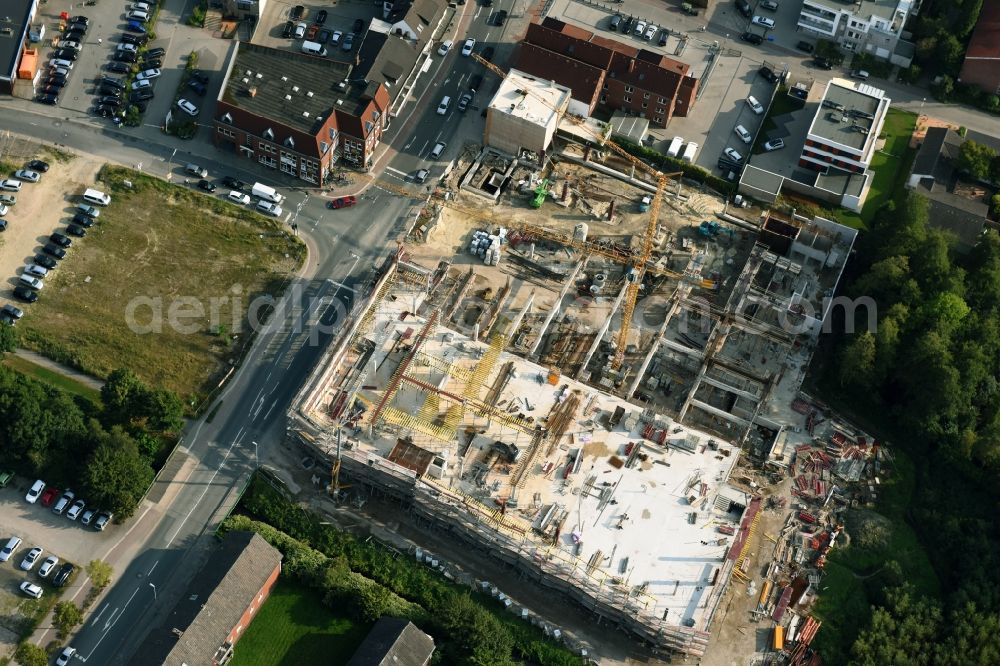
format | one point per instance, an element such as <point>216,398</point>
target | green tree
<point>994,174</point>
<point>116,475</point>
<point>975,159</point>
<point>857,362</point>
<point>29,654</point>
<point>8,339</point>
<point>66,616</point>
<point>949,52</point>
<point>100,573</point>
<point>122,395</point>
<point>163,410</point>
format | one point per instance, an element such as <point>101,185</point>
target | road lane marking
<point>395,171</point>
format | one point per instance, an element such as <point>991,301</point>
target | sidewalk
<point>66,371</point>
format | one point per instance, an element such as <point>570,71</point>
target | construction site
<point>591,370</point>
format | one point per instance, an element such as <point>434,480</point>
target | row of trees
<point>928,374</point>
<point>107,452</point>
<point>369,581</point>
<point>941,31</point>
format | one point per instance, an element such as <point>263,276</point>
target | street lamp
<point>154,591</point>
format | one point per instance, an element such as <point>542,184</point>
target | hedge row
<point>469,628</point>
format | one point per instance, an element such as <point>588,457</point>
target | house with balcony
<point>869,26</point>
<point>835,136</point>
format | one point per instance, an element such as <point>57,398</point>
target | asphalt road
<point>163,546</point>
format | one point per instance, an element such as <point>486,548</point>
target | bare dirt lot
<point>34,217</point>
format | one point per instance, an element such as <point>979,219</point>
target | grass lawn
<point>293,627</point>
<point>35,371</point>
<point>891,164</point>
<point>157,244</point>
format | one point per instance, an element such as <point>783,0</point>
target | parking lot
<point>56,535</point>
<point>339,18</point>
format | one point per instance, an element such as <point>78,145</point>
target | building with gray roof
<point>217,606</point>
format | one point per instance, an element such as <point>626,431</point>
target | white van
<point>675,146</point>
<point>97,197</point>
<point>262,191</point>
<point>313,48</point>
<point>743,134</point>
<point>689,152</point>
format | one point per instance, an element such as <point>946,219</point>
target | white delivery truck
<point>262,191</point>
<point>675,146</point>
<point>689,152</point>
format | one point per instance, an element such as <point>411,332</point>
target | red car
<point>311,31</point>
<point>342,202</point>
<point>49,496</point>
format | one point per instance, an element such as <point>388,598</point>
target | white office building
<point>868,26</point>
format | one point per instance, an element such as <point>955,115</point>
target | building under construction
<point>518,430</point>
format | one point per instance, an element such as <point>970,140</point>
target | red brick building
<point>217,607</point>
<point>606,73</point>
<point>982,57</point>
<point>298,113</point>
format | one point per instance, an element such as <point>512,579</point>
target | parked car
<point>65,656</point>
<point>27,175</point>
<point>64,502</point>
<point>238,197</point>
<point>136,26</point>
<point>288,30</point>
<point>197,86</point>
<point>61,240</point>
<point>76,230</point>
<point>137,15</point>
<point>50,562</point>
<point>321,17</point>
<point>463,101</point>
<point>770,5</point>
<point>421,176</point>
<point>324,36</point>
<point>437,150</point>
<point>148,75</point>
<point>763,22</point>
<point>743,133</point>
<point>28,563</point>
<point>65,571</point>
<point>157,52</point>
<point>664,34</point>
<point>88,210</point>
<point>36,489</point>
<point>206,185</point>
<point>487,53</point>
<point>336,37</point>
<point>269,208</point>
<point>187,107</point>
<point>69,44</point>
<point>35,271</point>
<point>650,31</point>
<point>733,155</point>
<point>138,40</point>
<point>359,26</point>
<point>12,544</point>
<point>150,63</point>
<point>235,183</point>
<point>140,96</point>
<point>47,262</point>
<point>752,38</point>
<point>112,82</point>
<point>196,170</point>
<point>127,46</point>
<point>859,74</point>
<point>125,56</point>
<point>500,17</point>
<point>103,518</point>
<point>8,199</point>
<point>297,12</point>
<point>34,283</point>
<point>54,250</point>
<point>300,30</point>
<point>348,42</point>
<point>68,55</point>
<point>755,105</point>
<point>823,63</point>
<point>15,313</point>
<point>445,47</point>
<point>50,99</point>
<point>31,590</point>
<point>49,496</point>
<point>25,295</point>
<point>79,20</point>
<point>83,221</point>
<point>118,67</point>
<point>805,46</point>
<point>774,144</point>
<point>11,185</point>
<point>74,511</point>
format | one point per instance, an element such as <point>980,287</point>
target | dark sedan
<point>321,17</point>
<point>752,38</point>
<point>119,67</point>
<point>51,100</point>
<point>37,165</point>
<point>206,185</point>
<point>25,295</point>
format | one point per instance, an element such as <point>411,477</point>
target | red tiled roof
<point>985,41</point>
<point>585,81</point>
<point>637,67</point>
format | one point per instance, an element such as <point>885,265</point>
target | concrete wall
<point>509,133</point>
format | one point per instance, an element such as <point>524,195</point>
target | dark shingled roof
<point>393,642</point>
<point>263,79</point>
<point>212,604</point>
